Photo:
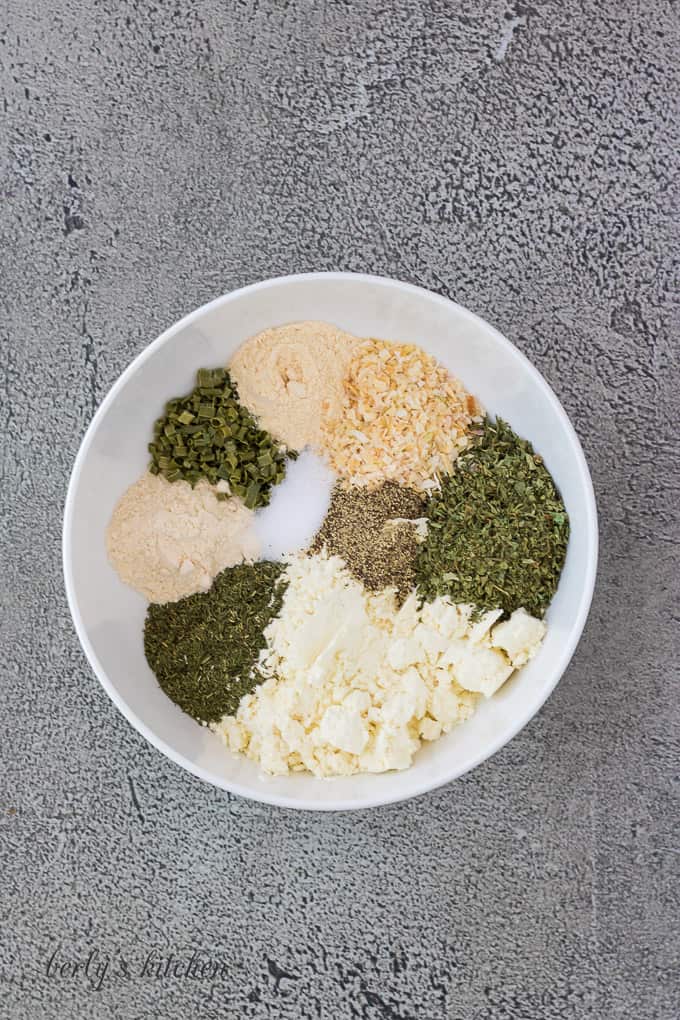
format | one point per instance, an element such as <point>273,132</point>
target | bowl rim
<point>296,802</point>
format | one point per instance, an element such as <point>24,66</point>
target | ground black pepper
<point>360,527</point>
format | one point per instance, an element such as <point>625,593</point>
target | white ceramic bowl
<point>109,617</point>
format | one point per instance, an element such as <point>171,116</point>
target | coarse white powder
<point>355,684</point>
<point>168,540</point>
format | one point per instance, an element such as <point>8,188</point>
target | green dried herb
<point>208,434</point>
<point>203,649</point>
<point>498,529</point>
<point>360,527</point>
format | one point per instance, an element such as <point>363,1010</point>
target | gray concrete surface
<point>521,158</point>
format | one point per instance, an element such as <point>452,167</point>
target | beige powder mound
<point>290,376</point>
<point>168,540</point>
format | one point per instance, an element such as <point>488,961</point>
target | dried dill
<point>498,529</point>
<point>370,530</point>
<point>209,434</point>
<point>203,648</point>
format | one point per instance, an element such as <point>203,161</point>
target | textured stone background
<point>519,158</point>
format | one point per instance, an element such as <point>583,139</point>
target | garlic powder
<point>168,540</point>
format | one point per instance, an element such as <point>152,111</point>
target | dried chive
<point>208,434</point>
<point>497,528</point>
<point>203,649</point>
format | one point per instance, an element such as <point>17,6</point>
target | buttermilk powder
<point>354,684</point>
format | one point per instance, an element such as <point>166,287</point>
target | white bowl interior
<point>109,616</point>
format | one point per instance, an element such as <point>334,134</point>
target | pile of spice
<point>209,434</point>
<point>376,532</point>
<point>498,530</point>
<point>291,376</point>
<point>167,540</point>
<point>422,591</point>
<point>404,418</point>
<point>204,649</point>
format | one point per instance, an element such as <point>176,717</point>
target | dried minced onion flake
<point>404,418</point>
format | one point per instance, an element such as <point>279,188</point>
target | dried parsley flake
<point>203,649</point>
<point>498,529</point>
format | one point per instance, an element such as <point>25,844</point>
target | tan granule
<point>168,540</point>
<point>290,376</point>
<point>403,418</point>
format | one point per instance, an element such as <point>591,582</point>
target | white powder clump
<point>355,684</point>
<point>519,637</point>
<point>168,540</point>
<point>290,376</point>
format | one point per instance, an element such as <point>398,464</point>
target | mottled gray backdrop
<point>521,158</point>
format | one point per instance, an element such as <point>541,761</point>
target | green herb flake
<point>498,529</point>
<point>209,434</point>
<point>204,648</point>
